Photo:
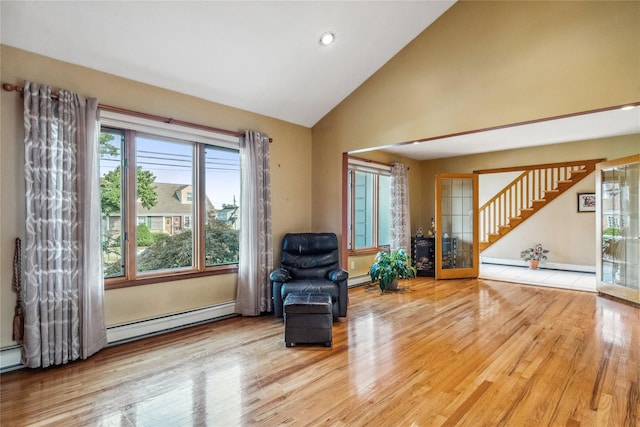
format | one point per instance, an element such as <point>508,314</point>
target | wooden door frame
<point>456,273</point>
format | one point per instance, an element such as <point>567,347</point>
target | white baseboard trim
<point>358,280</point>
<point>543,265</point>
<point>10,358</point>
<point>118,334</point>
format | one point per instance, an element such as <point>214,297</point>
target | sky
<point>171,162</point>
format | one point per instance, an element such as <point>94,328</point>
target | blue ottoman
<point>308,319</point>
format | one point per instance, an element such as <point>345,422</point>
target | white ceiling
<point>265,57</point>
<point>260,56</point>
<point>603,124</point>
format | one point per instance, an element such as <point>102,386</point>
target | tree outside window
<point>182,196</point>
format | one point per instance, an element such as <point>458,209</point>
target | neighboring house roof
<point>227,214</point>
<point>169,202</point>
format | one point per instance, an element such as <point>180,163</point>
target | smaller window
<point>369,205</point>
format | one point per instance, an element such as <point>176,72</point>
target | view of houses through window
<point>168,204</point>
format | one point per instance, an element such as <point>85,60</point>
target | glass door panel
<point>617,228</point>
<point>457,254</point>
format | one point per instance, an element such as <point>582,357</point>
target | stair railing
<point>536,184</point>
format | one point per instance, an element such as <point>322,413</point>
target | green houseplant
<point>391,266</point>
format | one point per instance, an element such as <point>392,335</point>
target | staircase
<point>536,187</point>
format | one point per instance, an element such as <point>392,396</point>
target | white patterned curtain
<point>256,249</point>
<point>400,222</point>
<point>63,282</point>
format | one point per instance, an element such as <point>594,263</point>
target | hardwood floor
<point>459,352</point>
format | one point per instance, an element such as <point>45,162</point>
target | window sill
<point>119,283</point>
<point>368,251</point>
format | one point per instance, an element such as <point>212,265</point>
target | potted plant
<point>391,266</point>
<point>534,255</point>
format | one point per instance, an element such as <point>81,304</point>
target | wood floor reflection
<point>459,352</point>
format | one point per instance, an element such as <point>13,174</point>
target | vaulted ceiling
<point>260,56</point>
<point>264,57</point>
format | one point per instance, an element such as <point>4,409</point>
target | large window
<point>169,200</point>
<point>369,206</point>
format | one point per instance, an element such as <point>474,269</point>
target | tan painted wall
<point>483,64</point>
<point>359,264</point>
<point>568,234</point>
<point>290,178</point>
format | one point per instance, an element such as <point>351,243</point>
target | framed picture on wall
<point>586,202</point>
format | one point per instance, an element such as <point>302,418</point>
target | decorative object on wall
<point>534,255</point>
<point>586,202</point>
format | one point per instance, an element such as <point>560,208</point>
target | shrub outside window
<point>169,200</point>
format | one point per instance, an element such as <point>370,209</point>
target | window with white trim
<point>369,205</point>
<point>162,187</point>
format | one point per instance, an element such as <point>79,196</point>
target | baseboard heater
<point>358,280</point>
<point>126,332</point>
<point>119,334</point>
<point>546,265</point>
<point>10,358</point>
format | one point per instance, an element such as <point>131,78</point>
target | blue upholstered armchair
<point>310,262</point>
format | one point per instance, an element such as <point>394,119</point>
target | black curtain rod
<point>11,88</point>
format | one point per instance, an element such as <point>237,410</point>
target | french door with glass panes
<point>618,228</point>
<point>457,254</point>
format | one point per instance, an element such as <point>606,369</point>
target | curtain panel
<point>256,248</point>
<point>400,215</point>
<point>63,281</point>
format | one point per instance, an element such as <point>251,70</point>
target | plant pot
<point>393,286</point>
<point>533,264</point>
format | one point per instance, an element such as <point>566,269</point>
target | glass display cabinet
<point>423,254</point>
<point>617,228</point>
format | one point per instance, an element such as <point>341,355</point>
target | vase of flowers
<point>534,255</point>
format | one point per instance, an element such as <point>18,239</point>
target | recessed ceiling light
<point>628,107</point>
<point>327,38</point>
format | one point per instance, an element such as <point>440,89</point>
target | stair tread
<point>561,186</point>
